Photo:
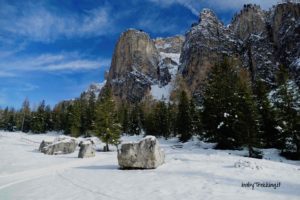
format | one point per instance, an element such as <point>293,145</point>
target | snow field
<point>195,171</point>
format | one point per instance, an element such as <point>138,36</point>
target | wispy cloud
<point>5,74</point>
<point>38,23</point>
<point>195,5</point>
<point>61,62</point>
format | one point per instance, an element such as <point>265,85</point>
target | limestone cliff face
<point>206,44</point>
<point>134,66</point>
<point>285,25</point>
<point>251,27</point>
<point>260,41</point>
<point>169,52</point>
<point>251,20</point>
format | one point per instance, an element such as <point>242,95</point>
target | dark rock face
<point>261,40</point>
<point>169,51</point>
<point>206,44</point>
<point>285,24</point>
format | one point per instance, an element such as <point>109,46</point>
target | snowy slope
<point>193,172</point>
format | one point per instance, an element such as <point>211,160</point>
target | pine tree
<point>286,101</point>
<point>248,121</point>
<point>135,126</point>
<point>220,103</point>
<point>184,126</point>
<point>91,114</point>
<point>229,115</point>
<point>26,116</point>
<point>107,125</point>
<point>268,125</point>
<point>38,120</point>
<point>161,124</point>
<point>196,118</point>
<point>124,118</point>
<point>48,119</point>
<point>75,119</point>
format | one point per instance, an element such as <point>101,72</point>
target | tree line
<point>234,112</point>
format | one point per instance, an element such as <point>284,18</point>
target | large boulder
<point>145,154</point>
<point>61,145</point>
<point>87,149</point>
<point>44,144</point>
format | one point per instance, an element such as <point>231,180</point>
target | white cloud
<point>63,62</point>
<point>36,22</point>
<point>195,5</point>
<point>5,74</point>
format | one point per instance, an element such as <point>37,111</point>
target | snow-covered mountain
<point>259,40</point>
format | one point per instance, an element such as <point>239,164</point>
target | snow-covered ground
<point>194,171</point>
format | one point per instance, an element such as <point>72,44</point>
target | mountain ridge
<point>259,40</point>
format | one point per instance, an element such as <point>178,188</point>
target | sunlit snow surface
<point>194,171</point>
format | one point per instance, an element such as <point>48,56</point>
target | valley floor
<point>193,172</point>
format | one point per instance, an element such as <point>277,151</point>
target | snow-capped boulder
<point>44,144</point>
<point>61,145</point>
<point>87,149</point>
<point>145,154</point>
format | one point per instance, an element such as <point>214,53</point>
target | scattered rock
<point>61,145</point>
<point>145,154</point>
<point>44,144</point>
<point>87,149</point>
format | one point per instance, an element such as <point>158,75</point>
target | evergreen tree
<point>248,121</point>
<point>48,119</point>
<point>184,126</point>
<point>38,120</point>
<point>268,125</point>
<point>161,124</point>
<point>135,126</point>
<point>229,115</point>
<point>150,126</point>
<point>107,125</point>
<point>91,114</point>
<point>124,118</point>
<point>26,116</point>
<point>75,119</point>
<point>286,101</point>
<point>195,112</point>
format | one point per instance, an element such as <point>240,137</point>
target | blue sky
<point>53,49</point>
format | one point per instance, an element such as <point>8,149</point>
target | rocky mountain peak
<point>250,20</point>
<point>134,66</point>
<point>207,16</point>
<point>259,40</point>
<point>169,44</point>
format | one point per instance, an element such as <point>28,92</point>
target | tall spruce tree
<point>229,115</point>
<point>75,119</point>
<point>107,126</point>
<point>26,116</point>
<point>135,125</point>
<point>248,121</point>
<point>286,101</point>
<point>268,126</point>
<point>38,119</point>
<point>184,126</point>
<point>220,103</point>
<point>195,118</point>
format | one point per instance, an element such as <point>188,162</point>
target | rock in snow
<point>61,145</point>
<point>87,149</point>
<point>145,154</point>
<point>44,144</point>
